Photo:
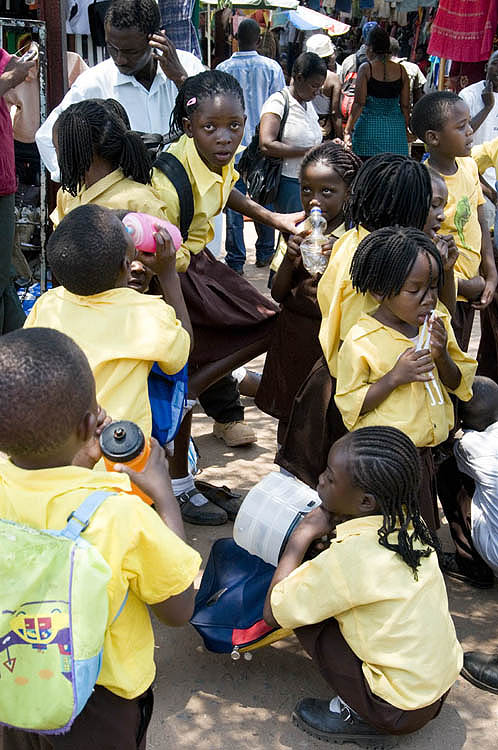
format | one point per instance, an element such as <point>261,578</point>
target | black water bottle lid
<point>122,441</point>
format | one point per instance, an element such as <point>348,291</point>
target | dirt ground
<point>209,702</point>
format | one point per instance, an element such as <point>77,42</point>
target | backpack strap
<point>177,175</point>
<point>285,114</point>
<point>78,520</point>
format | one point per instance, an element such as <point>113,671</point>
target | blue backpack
<point>167,396</point>
<point>228,610</point>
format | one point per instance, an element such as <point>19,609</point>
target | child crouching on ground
<point>50,419</point>
<point>372,609</point>
<point>122,332</point>
<point>389,372</point>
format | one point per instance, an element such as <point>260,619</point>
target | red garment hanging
<point>463,30</point>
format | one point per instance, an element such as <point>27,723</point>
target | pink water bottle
<point>142,228</point>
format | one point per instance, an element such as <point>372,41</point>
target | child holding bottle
<point>327,172</point>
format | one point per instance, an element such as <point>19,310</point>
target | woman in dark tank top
<point>379,118</point>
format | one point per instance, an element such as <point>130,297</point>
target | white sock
<point>337,704</point>
<point>239,374</point>
<point>185,484</point>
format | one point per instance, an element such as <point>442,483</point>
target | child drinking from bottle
<point>327,172</point>
<point>372,608</point>
<point>399,363</point>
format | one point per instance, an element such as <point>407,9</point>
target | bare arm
<point>448,371</point>
<point>488,266</point>
<point>488,101</point>
<point>285,223</point>
<point>335,106</point>
<point>360,97</point>
<point>14,73</point>
<point>404,98</point>
<point>282,283</point>
<point>268,139</point>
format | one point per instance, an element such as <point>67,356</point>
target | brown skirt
<point>462,322</point>
<point>226,311</point>
<point>487,356</point>
<point>343,671</point>
<point>293,351</point>
<point>315,423</point>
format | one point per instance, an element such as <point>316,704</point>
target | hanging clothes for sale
<point>176,19</point>
<point>463,30</point>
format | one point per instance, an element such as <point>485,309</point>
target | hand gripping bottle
<point>124,443</point>
<point>311,247</point>
<point>142,228</point>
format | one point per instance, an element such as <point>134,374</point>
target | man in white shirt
<point>143,73</point>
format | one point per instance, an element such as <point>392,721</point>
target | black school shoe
<point>207,514</point>
<point>481,577</point>
<point>314,717</point>
<point>223,497</point>
<point>481,670</point>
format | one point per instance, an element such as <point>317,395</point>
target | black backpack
<point>175,172</point>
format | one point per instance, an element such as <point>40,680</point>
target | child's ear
<point>432,138</point>
<point>368,504</point>
<point>87,426</point>
<point>187,126</point>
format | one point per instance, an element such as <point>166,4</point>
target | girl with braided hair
<point>102,161</point>
<point>399,363</point>
<point>372,608</point>
<point>327,172</point>
<point>388,190</point>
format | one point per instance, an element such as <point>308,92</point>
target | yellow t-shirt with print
<point>461,219</point>
<point>146,558</point>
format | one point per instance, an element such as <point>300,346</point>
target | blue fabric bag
<point>167,396</point>
<point>228,610</point>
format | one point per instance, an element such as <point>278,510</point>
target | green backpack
<point>53,618</point>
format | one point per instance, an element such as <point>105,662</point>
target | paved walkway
<point>209,702</point>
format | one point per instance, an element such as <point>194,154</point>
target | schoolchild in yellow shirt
<point>102,161</point>
<point>442,121</point>
<point>341,305</point>
<point>398,363</point>
<point>371,610</point>
<point>121,331</point>
<point>50,423</point>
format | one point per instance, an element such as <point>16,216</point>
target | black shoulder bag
<point>261,173</point>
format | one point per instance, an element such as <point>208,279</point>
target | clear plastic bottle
<point>311,248</point>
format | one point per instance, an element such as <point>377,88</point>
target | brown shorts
<point>107,722</point>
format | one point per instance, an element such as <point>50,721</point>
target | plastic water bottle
<point>311,248</point>
<point>124,443</point>
<point>142,228</point>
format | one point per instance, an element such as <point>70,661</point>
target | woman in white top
<point>302,130</point>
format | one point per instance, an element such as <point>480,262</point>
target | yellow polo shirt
<point>122,333</point>
<point>399,627</point>
<point>461,220</point>
<point>369,352</point>
<point>340,305</point>
<point>145,557</point>
<point>210,192</point>
<point>113,191</point>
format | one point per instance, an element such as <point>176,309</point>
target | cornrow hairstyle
<point>384,259</point>
<point>87,250</point>
<point>432,111</point>
<point>134,14</point>
<point>343,160</point>
<point>309,64</point>
<point>384,462</point>
<point>390,190</point>
<point>198,88</point>
<point>117,108</point>
<point>38,415</point>
<point>92,128</point>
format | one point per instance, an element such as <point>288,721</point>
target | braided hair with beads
<point>384,259</point>
<point>343,160</point>
<point>198,88</point>
<point>390,190</point>
<point>384,462</point>
<point>94,128</point>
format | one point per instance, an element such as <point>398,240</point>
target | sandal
<point>207,514</point>
<point>223,497</point>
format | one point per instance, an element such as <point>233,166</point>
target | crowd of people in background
<point>380,405</point>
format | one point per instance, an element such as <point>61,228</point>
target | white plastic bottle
<point>311,248</point>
